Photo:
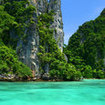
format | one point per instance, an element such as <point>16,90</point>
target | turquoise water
<point>87,92</point>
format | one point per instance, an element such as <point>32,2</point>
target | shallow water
<point>86,92</point>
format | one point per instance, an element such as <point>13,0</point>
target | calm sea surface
<point>86,92</point>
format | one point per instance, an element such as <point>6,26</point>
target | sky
<point>76,12</point>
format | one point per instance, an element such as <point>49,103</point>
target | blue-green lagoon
<point>86,92</point>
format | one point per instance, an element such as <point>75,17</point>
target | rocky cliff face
<point>41,5</point>
<point>28,52</point>
<point>55,5</point>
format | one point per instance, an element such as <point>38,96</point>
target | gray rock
<point>27,51</point>
<point>57,25</point>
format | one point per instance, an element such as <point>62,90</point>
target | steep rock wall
<point>57,25</point>
<point>41,5</point>
<point>28,52</point>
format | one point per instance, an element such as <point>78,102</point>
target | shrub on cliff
<point>65,71</point>
<point>10,64</point>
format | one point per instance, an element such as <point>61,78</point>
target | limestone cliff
<point>28,52</point>
<point>55,5</point>
<point>41,5</point>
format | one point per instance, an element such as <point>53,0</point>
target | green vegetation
<point>86,48</point>
<point>23,16</point>
<point>7,22</point>
<point>85,51</point>
<point>10,64</point>
<point>13,17</point>
<point>51,55</point>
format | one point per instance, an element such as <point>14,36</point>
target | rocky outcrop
<point>28,51</point>
<point>57,25</point>
<point>41,5</point>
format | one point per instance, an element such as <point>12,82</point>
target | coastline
<point>13,78</point>
<point>93,79</point>
<point>41,80</point>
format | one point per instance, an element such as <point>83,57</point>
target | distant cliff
<point>89,42</point>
